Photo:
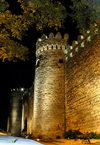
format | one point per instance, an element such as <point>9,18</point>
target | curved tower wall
<point>49,89</point>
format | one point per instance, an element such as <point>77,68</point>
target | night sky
<point>21,74</point>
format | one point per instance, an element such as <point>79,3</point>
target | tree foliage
<point>13,27</point>
<point>45,13</point>
<point>84,13</point>
<point>3,5</point>
<point>41,14</point>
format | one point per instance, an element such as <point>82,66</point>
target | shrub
<point>58,137</point>
<point>76,134</point>
<point>97,136</point>
<point>72,134</point>
<point>90,135</point>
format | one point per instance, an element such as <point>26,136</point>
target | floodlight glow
<point>39,40</point>
<point>22,89</point>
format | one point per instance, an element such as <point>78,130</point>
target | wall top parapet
<point>81,43</point>
<point>58,42</point>
<point>52,40</point>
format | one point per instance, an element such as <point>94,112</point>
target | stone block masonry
<point>49,91</point>
<point>30,111</point>
<point>66,92</point>
<point>83,89</point>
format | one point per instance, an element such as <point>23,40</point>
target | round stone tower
<point>49,89</point>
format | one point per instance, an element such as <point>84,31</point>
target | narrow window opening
<point>56,47</point>
<point>60,60</point>
<point>37,63</point>
<point>60,47</point>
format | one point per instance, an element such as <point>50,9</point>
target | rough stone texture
<point>51,41</point>
<point>15,113</point>
<point>66,93</point>
<point>83,89</point>
<point>49,94</point>
<point>30,111</point>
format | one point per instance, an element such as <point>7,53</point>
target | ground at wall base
<point>71,142</point>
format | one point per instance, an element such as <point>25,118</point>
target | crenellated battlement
<point>58,42</point>
<point>76,46</point>
<point>81,43</point>
<point>52,42</point>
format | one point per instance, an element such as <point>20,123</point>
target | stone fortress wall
<point>81,73</point>
<point>66,92</point>
<point>83,88</point>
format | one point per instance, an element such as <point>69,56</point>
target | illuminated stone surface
<point>66,93</point>
<point>30,111</point>
<point>83,89</point>
<point>49,90</point>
